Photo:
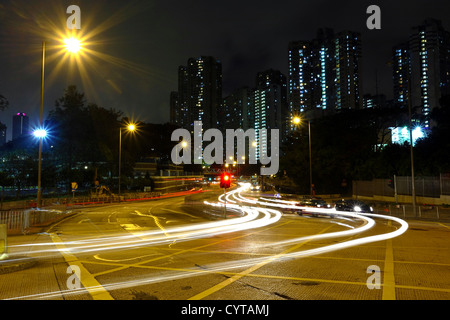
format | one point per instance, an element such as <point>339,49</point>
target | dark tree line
<point>82,146</point>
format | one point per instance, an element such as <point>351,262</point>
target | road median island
<point>195,204</point>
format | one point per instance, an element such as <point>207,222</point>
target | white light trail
<point>253,216</point>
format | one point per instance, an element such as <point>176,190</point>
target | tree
<point>84,135</point>
<point>344,146</point>
<point>3,103</point>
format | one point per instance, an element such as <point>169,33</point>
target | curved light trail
<point>255,214</point>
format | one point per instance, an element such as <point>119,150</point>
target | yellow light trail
<point>253,217</point>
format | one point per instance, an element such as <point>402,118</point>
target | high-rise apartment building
<point>181,112</point>
<point>377,101</point>
<point>429,47</point>
<point>20,125</point>
<point>300,73</point>
<point>2,134</point>
<point>238,110</point>
<point>174,115</point>
<point>199,96</point>
<point>323,92</point>
<point>421,68</point>
<point>348,70</point>
<point>270,107</point>
<point>401,67</point>
<point>325,73</point>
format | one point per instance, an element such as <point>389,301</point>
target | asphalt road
<point>170,249</point>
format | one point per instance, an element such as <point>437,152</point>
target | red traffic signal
<point>225,180</point>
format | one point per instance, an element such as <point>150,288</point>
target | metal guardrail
<point>433,187</point>
<point>20,221</point>
<point>80,200</point>
<point>433,212</point>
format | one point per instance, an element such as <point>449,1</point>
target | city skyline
<point>258,47</point>
<point>325,76</point>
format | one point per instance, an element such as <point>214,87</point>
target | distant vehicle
<point>255,187</point>
<point>314,202</point>
<point>353,206</point>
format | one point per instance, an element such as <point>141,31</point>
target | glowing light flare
<point>72,45</point>
<point>40,133</point>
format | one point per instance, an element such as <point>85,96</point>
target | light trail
<point>254,216</point>
<point>226,266</point>
<point>250,219</point>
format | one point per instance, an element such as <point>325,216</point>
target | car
<point>314,202</point>
<point>353,206</point>
<point>255,187</point>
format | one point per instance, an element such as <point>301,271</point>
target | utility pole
<point>413,183</point>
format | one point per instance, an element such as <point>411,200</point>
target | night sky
<point>133,48</point>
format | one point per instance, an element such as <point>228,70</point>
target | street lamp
<point>40,133</point>
<point>73,45</point>
<point>131,127</point>
<point>296,121</point>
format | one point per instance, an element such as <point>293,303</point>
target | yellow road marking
<point>266,276</point>
<point>444,225</point>
<point>86,278</point>
<point>389,279</point>
<point>236,277</point>
<point>186,250</point>
<point>180,212</point>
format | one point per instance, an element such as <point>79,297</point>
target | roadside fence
<point>21,221</point>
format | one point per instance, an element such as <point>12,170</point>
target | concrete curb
<point>16,264</point>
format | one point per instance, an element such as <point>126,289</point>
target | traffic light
<point>225,180</point>
<point>391,183</point>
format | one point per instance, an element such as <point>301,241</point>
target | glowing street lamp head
<point>131,127</point>
<point>296,120</point>
<point>73,45</point>
<point>40,133</point>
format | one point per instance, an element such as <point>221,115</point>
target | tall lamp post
<point>296,121</point>
<point>131,127</point>
<point>411,146</point>
<point>41,124</point>
<point>72,45</point>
